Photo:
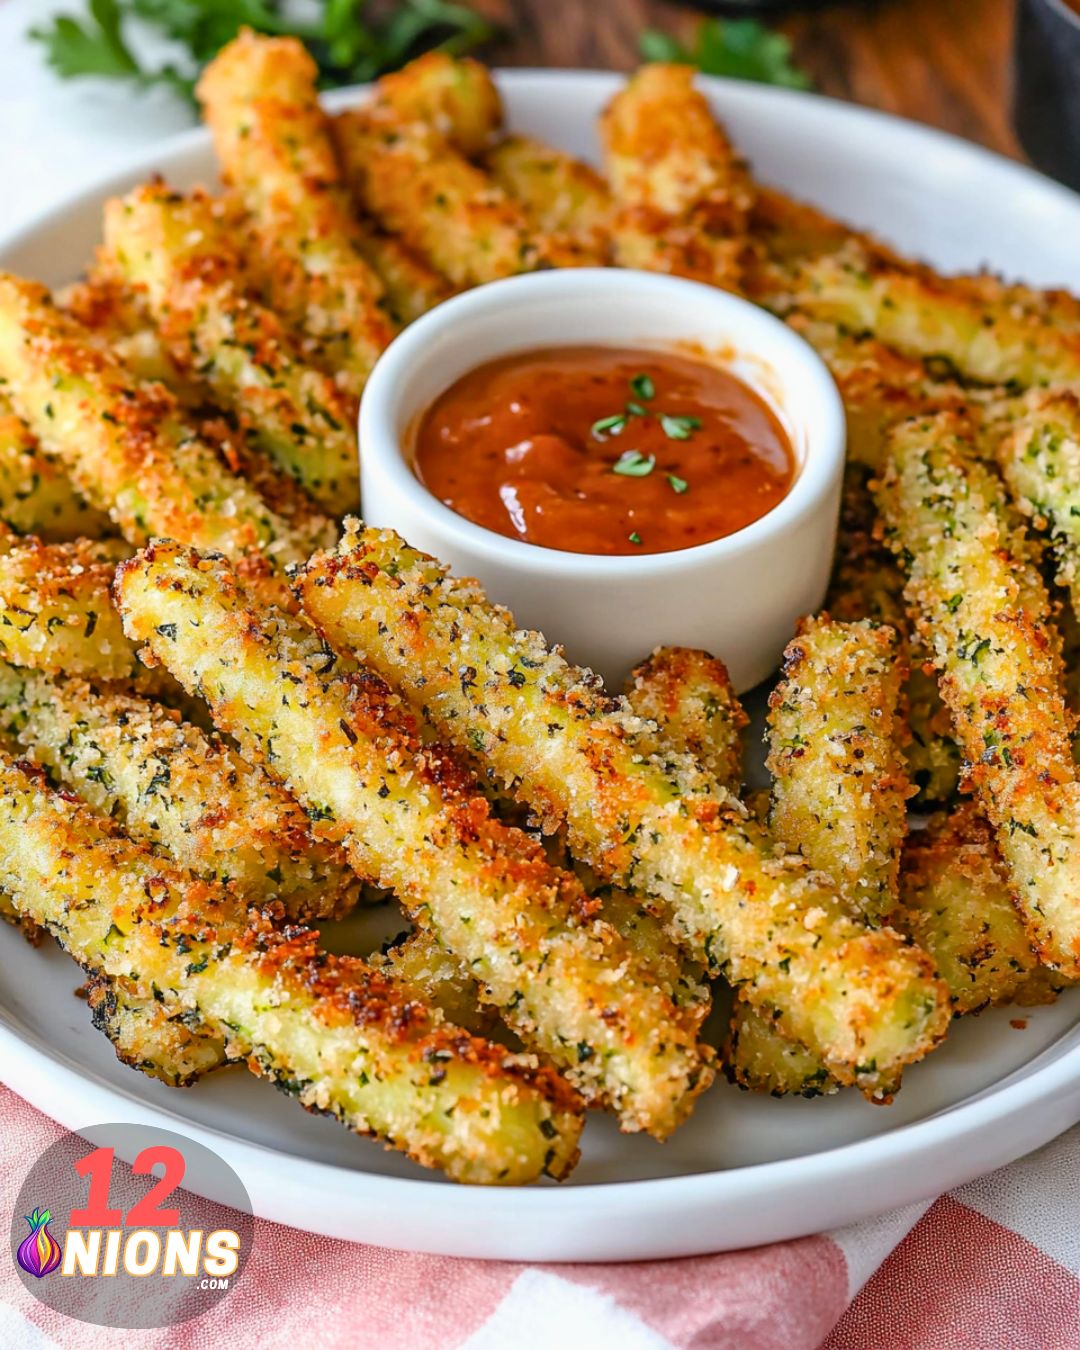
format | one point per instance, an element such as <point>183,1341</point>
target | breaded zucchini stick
<point>36,495</point>
<point>840,785</point>
<point>343,1038</point>
<point>879,387</point>
<point>176,1049</point>
<point>410,819</point>
<point>168,1044</point>
<point>454,94</point>
<point>688,695</point>
<point>565,199</point>
<point>422,962</point>
<point>682,194</point>
<point>1036,439</point>
<point>984,616</point>
<point>446,210</point>
<point>175,252</point>
<point>867,583</point>
<point>839,798</point>
<point>411,286</point>
<point>260,100</point>
<point>654,822</point>
<point>56,613</point>
<point>176,787</point>
<point>922,315</point>
<point>956,903</point>
<point>109,308</point>
<point>127,447</point>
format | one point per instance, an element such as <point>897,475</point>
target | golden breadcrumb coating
<point>985,619</point>
<point>566,200</point>
<point>176,253</point>
<point>344,1039</point>
<point>410,819</point>
<point>260,100</point>
<point>646,817</point>
<point>178,788</point>
<point>836,730</point>
<point>36,495</point>
<point>127,446</point>
<point>682,194</point>
<point>445,209</point>
<point>689,695</point>
<point>454,94</point>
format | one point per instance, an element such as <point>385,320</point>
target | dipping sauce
<point>604,450</point>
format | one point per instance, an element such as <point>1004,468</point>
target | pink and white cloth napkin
<point>994,1265</point>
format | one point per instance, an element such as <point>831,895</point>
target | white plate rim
<point>687,1214</point>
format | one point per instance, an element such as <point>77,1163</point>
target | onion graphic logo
<point>39,1252</point>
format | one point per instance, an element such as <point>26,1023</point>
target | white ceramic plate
<point>745,1170</point>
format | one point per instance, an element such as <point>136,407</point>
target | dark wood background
<point>945,62</point>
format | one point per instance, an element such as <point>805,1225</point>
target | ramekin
<point>737,597</point>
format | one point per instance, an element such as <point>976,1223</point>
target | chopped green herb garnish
<point>608,426</point>
<point>633,464</point>
<point>643,387</point>
<point>636,409</point>
<point>635,538</point>
<point>677,484</point>
<point>679,428</point>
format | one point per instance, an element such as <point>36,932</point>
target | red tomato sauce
<point>604,450</point>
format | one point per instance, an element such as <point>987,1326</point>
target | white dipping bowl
<point>738,597</point>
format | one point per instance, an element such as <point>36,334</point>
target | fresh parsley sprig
<point>348,46</point>
<point>742,49</point>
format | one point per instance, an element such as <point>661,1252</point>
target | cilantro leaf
<point>94,47</point>
<point>633,464</point>
<point>741,49</point>
<point>608,426</point>
<point>679,428</point>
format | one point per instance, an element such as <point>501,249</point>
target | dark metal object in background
<point>1046,87</point>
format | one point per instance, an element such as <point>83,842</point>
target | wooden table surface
<point>945,62</point>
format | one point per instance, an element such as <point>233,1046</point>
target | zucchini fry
<point>984,616</point>
<point>682,195</point>
<point>127,447</point>
<point>422,962</point>
<point>36,495</point>
<point>565,199</point>
<point>1037,443</point>
<point>653,822</point>
<point>839,798</point>
<point>453,94</point>
<point>688,695</point>
<point>923,315</point>
<point>56,613</point>
<point>176,787</point>
<point>174,251</point>
<point>879,387</point>
<point>170,1045</point>
<point>840,785</point>
<point>956,904</point>
<point>411,286</point>
<point>410,819</point>
<point>446,210</point>
<point>867,583</point>
<point>260,101</point>
<point>758,1058</point>
<point>346,1040</point>
<point>111,311</point>
<point>176,1049</point>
